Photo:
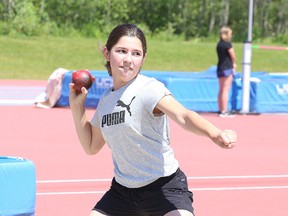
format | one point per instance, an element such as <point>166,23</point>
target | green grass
<point>37,58</point>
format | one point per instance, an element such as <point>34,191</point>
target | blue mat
<point>17,187</point>
<point>198,90</point>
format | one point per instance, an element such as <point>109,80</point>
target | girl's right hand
<point>77,100</point>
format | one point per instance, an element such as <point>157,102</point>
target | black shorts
<point>158,198</point>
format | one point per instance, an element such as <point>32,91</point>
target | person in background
<point>132,119</point>
<point>225,69</point>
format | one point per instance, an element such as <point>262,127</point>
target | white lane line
<point>8,102</point>
<point>189,178</point>
<point>240,188</point>
<point>192,189</point>
<point>73,181</point>
<point>70,193</point>
<point>240,177</point>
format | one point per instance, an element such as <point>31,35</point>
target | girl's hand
<point>77,100</point>
<point>227,139</point>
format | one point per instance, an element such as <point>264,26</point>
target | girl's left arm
<point>233,57</point>
<point>195,123</point>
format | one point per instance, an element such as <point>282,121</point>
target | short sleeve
<point>153,93</point>
<point>227,45</point>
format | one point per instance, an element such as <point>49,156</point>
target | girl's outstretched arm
<point>195,123</point>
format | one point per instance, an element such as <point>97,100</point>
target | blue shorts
<point>158,198</point>
<point>224,73</point>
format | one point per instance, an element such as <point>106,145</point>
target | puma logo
<point>122,104</point>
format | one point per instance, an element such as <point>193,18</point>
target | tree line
<point>185,19</point>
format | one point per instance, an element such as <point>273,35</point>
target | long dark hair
<point>119,31</point>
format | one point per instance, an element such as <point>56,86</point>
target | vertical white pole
<point>246,65</point>
<point>250,20</point>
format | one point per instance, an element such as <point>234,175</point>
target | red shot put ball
<point>82,78</point>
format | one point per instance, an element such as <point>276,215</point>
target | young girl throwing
<point>132,119</point>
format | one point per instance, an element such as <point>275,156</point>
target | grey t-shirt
<point>139,140</point>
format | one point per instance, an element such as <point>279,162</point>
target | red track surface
<point>251,179</point>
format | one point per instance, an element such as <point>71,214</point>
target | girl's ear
<point>106,53</point>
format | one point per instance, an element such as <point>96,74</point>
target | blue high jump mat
<point>17,187</point>
<point>198,91</point>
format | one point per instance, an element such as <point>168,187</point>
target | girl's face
<point>230,34</point>
<point>126,58</point>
